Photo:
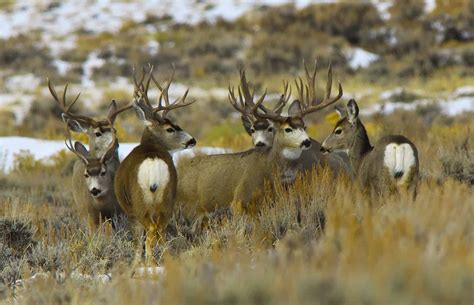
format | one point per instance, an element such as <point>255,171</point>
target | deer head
<point>101,132</point>
<point>342,136</point>
<point>261,130</point>
<point>98,175</point>
<point>158,126</point>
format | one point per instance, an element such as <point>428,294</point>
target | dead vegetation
<point>318,242</point>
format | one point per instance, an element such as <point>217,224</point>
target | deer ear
<point>352,111</point>
<point>247,124</point>
<point>341,111</point>
<point>295,108</point>
<point>142,113</point>
<point>75,125</point>
<point>112,109</point>
<point>81,149</point>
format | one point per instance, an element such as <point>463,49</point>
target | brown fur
<point>207,183</point>
<point>367,161</point>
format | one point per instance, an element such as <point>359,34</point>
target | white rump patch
<point>398,159</point>
<point>153,174</point>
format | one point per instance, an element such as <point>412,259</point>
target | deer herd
<point>147,187</point>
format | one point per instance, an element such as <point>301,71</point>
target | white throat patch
<point>153,177</point>
<point>291,153</point>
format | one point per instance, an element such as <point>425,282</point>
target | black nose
<point>307,143</point>
<point>95,191</point>
<point>191,142</point>
<point>260,144</point>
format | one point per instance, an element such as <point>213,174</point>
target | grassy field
<point>318,242</point>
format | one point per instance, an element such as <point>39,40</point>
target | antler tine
<point>284,98</point>
<point>70,146</point>
<point>327,98</point>
<point>62,103</point>
<point>111,116</point>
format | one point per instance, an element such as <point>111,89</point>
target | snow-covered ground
<point>458,102</point>
<point>44,149</point>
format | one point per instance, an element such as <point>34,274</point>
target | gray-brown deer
<point>145,183</point>
<point>212,182</point>
<point>263,131</point>
<point>101,134</point>
<point>98,174</point>
<point>391,164</point>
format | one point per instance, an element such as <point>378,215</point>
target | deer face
<point>262,131</point>
<point>342,137</point>
<point>99,179</point>
<point>100,132</point>
<point>163,129</point>
<point>292,138</point>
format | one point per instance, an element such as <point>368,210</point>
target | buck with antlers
<point>145,183</point>
<point>210,182</point>
<point>263,131</point>
<point>96,197</point>
<point>390,165</point>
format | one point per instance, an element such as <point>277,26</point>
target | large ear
<point>352,111</point>
<point>247,124</point>
<point>142,112</point>
<point>341,111</point>
<point>295,108</point>
<point>75,125</point>
<point>81,149</point>
<point>112,109</point>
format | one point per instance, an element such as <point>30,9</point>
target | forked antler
<point>307,91</point>
<point>246,105</point>
<point>164,104</point>
<point>66,109</point>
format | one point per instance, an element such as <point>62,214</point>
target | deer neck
<point>148,138</point>
<point>360,146</point>
<point>285,160</point>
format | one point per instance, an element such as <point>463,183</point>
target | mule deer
<point>99,176</point>
<point>388,166</point>
<point>263,131</point>
<point>211,182</point>
<point>145,183</point>
<point>101,135</point>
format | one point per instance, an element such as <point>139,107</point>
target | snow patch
<point>44,149</point>
<point>360,58</point>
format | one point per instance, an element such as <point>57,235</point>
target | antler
<point>307,92</point>
<point>110,149</point>
<point>246,104</point>
<point>67,108</point>
<point>112,115</point>
<point>163,101</point>
<point>70,146</point>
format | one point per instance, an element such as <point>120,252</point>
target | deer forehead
<point>94,167</point>
<point>261,124</point>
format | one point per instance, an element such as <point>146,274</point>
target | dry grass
<point>318,242</point>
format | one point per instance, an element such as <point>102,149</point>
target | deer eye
<point>338,131</point>
<point>270,129</point>
<point>86,175</point>
<point>252,130</point>
<point>170,130</point>
<point>98,134</point>
<point>288,130</point>
<point>102,173</point>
